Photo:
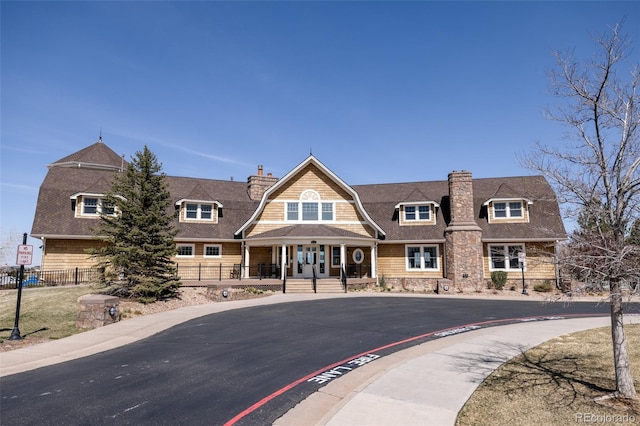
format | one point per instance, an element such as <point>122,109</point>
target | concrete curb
<point>427,384</point>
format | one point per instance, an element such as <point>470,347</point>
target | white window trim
<point>422,267</point>
<point>199,217</point>
<point>204,253</point>
<point>193,250</point>
<point>507,206</point>
<point>100,202</point>
<point>417,213</point>
<point>309,198</point>
<point>432,209</point>
<point>215,209</point>
<point>507,264</point>
<point>524,208</point>
<point>353,256</point>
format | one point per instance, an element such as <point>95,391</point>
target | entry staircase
<point>324,285</point>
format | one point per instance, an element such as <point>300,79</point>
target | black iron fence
<point>35,278</point>
<point>200,272</point>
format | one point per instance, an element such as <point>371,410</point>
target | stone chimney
<point>463,236</point>
<point>258,184</point>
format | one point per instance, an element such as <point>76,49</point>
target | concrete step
<point>322,286</point>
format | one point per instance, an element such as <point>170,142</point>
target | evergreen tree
<point>138,232</point>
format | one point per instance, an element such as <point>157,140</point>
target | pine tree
<point>137,228</point>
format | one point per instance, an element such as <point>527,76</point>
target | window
<point>327,211</point>
<point>194,211</point>
<point>292,211</point>
<point>430,257</point>
<point>515,209</point>
<point>309,211</point>
<point>206,211</point>
<point>335,257</point>
<point>504,210</point>
<point>358,256</point>
<point>212,250</point>
<point>415,213</point>
<point>410,213</point>
<point>93,206</point>
<point>500,209</point>
<point>422,258</point>
<point>505,257</point>
<point>424,213</point>
<point>108,209</point>
<point>90,206</point>
<point>185,250</point>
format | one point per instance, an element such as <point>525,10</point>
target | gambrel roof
<point>92,169</point>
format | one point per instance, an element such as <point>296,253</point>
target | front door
<point>310,257</point>
<point>310,261</point>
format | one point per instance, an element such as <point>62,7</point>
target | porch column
<point>374,261</point>
<point>283,256</point>
<point>343,256</point>
<point>245,270</point>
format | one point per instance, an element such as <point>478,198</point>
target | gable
<point>307,184</point>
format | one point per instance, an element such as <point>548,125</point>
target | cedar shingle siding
<point>249,221</point>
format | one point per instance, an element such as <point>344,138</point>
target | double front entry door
<point>309,256</point>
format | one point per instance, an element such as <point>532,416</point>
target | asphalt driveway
<point>251,364</point>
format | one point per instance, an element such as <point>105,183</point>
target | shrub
<point>543,287</point>
<point>499,279</point>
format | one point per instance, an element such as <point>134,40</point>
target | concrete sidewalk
<point>427,384</point>
<point>424,385</point>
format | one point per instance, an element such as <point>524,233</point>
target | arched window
<point>309,208</point>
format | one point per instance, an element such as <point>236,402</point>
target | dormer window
<point>505,210</point>
<point>417,213</point>
<point>198,211</point>
<point>91,205</point>
<point>508,210</point>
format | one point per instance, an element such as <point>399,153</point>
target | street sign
<point>522,258</point>
<point>25,254</point>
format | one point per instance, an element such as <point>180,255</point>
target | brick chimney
<point>463,236</point>
<point>258,184</point>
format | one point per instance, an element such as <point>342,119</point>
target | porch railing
<point>358,270</point>
<point>221,271</point>
<point>315,279</point>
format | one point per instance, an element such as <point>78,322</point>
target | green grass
<point>48,313</point>
<point>557,383</point>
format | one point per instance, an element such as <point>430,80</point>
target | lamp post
<point>522,260</point>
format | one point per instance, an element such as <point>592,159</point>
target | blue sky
<point>378,91</point>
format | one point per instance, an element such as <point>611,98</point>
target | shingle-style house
<point>310,223</point>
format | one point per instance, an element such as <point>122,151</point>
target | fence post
<point>199,271</point>
<point>220,273</point>
<point>76,277</point>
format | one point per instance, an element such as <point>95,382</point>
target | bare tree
<point>597,173</point>
<point>9,241</point>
